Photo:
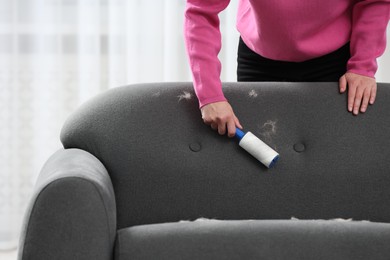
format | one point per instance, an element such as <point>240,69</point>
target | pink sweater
<point>288,30</point>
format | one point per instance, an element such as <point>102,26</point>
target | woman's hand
<point>220,117</point>
<point>361,91</point>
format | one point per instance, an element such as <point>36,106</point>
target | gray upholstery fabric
<point>162,164</point>
<point>166,165</point>
<point>260,239</point>
<point>72,214</point>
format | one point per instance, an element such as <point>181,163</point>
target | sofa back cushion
<point>166,165</point>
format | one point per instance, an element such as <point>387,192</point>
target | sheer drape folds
<point>55,54</point>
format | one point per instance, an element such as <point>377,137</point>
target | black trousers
<point>253,67</point>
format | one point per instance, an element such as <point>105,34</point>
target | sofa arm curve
<point>72,213</point>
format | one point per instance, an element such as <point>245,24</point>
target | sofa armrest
<point>72,213</point>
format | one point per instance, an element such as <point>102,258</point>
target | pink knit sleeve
<point>368,38</point>
<point>203,43</point>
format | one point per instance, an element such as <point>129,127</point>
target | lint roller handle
<point>257,148</point>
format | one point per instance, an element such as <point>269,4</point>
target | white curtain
<point>55,54</point>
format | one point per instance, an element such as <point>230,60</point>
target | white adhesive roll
<point>258,149</point>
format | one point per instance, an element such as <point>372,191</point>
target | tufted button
<point>299,147</point>
<point>195,147</point>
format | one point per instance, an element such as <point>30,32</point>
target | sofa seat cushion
<point>256,239</point>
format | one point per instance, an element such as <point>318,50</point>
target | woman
<point>287,40</point>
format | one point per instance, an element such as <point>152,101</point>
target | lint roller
<point>257,148</point>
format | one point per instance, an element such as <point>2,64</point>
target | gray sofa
<point>141,177</point>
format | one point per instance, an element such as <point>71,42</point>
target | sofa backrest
<point>166,165</point>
